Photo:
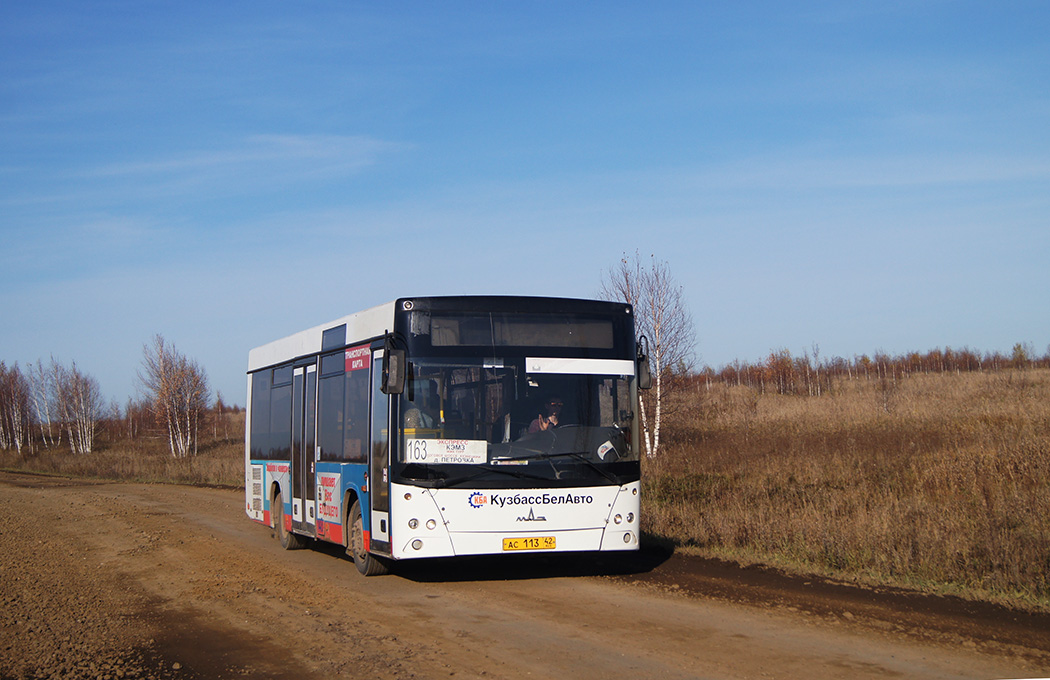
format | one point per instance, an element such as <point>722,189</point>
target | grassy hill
<point>935,481</point>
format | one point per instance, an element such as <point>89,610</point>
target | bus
<point>445,426</point>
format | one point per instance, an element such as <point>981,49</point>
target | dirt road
<point>124,581</point>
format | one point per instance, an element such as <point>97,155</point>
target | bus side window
<point>356,447</point>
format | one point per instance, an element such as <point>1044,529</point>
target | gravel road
<point>108,580</point>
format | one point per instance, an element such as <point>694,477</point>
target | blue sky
<point>860,176</point>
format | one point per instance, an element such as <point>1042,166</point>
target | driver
<point>552,417</point>
<point>424,404</point>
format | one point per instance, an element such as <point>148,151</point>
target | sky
<point>839,177</point>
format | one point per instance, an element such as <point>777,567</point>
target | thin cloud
<point>924,170</point>
<point>325,153</point>
<point>256,165</point>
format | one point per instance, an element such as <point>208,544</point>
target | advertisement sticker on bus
<point>328,500</point>
<point>358,358</point>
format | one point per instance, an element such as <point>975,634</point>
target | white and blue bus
<point>446,426</point>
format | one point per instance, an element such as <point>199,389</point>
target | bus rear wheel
<point>366,563</point>
<point>287,539</point>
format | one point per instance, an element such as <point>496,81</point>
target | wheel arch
<point>275,489</point>
<point>350,496</point>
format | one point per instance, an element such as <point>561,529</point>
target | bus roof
<point>378,321</point>
<point>370,323</point>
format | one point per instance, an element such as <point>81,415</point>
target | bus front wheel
<point>366,563</point>
<point>288,540</point>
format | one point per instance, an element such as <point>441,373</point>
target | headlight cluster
<point>413,524</point>
<point>618,519</point>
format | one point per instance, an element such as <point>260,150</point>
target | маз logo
<point>533,517</point>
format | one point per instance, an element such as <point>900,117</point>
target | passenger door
<point>304,399</point>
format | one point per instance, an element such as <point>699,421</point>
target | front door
<point>379,462</point>
<point>304,395</point>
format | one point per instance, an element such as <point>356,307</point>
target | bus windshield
<point>509,421</point>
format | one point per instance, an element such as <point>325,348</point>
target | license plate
<point>530,543</point>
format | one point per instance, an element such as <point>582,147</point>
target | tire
<point>366,563</point>
<point>287,539</point>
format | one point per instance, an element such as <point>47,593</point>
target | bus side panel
<point>334,480</point>
<point>255,489</point>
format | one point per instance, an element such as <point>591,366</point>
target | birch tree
<point>178,393</point>
<point>43,393</point>
<point>137,414</point>
<point>15,415</point>
<point>221,414</point>
<point>79,403</point>
<point>661,316</point>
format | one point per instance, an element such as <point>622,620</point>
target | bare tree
<point>221,414</point>
<point>15,415</point>
<point>43,391</point>
<point>56,398</point>
<point>136,417</point>
<point>178,392</point>
<point>79,403</point>
<point>662,317</point>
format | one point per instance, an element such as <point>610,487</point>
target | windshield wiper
<point>541,456</point>
<point>482,471</point>
<point>575,455</point>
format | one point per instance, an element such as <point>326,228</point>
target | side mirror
<point>393,371</point>
<point>645,376</point>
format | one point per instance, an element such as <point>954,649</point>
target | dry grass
<point>936,481</point>
<point>219,461</point>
